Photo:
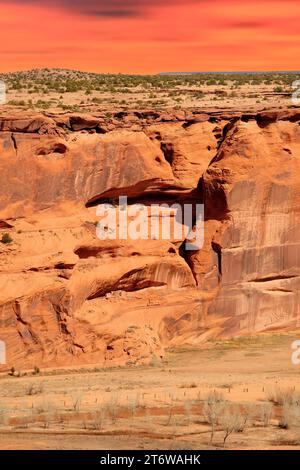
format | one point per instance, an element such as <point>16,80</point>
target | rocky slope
<point>67,297</point>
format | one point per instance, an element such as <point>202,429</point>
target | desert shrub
<point>42,407</point>
<point>171,411</point>
<point>232,420</point>
<point>134,404</point>
<point>33,389</point>
<point>215,396</point>
<point>2,417</point>
<point>36,370</point>
<point>188,385</point>
<point>76,401</point>
<point>290,416</point>
<point>285,420</point>
<point>219,413</point>
<point>16,103</point>
<point>6,239</point>
<point>112,407</point>
<point>42,104</point>
<point>280,396</point>
<point>188,405</point>
<point>213,409</point>
<point>266,413</point>
<point>98,418</point>
<point>43,413</point>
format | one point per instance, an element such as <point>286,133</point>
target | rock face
<point>68,297</point>
<point>255,177</point>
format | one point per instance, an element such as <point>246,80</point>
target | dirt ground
<point>160,406</point>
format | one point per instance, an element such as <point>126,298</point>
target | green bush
<point>6,238</point>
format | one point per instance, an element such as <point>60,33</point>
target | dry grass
<point>266,410</point>
<point>98,418</point>
<point>76,401</point>
<point>34,389</point>
<point>232,420</point>
<point>75,91</point>
<point>213,409</point>
<point>280,396</point>
<point>290,416</point>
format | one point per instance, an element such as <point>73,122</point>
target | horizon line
<point>212,72</point>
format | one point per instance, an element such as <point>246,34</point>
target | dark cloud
<point>128,8</point>
<point>106,8</point>
<point>247,24</point>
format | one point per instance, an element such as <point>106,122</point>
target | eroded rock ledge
<point>68,298</point>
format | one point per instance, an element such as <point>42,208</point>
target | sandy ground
<point>158,406</point>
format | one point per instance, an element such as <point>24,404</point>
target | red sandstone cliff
<point>67,297</point>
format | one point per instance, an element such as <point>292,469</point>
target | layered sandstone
<point>68,297</point>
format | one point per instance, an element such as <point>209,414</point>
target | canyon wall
<point>69,298</point>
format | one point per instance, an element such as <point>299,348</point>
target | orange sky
<point>137,36</point>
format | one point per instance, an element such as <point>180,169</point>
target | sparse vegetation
<point>74,91</point>
<point>34,389</point>
<point>158,406</point>
<point>232,420</point>
<point>280,396</point>
<point>6,239</point>
<point>213,409</point>
<point>36,370</point>
<point>76,401</point>
<point>266,411</point>
<point>98,418</point>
